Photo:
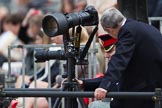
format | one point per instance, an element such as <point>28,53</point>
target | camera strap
<point>77,38</point>
<point>86,48</point>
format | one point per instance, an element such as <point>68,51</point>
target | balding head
<point>111,18</point>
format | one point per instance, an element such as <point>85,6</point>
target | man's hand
<point>100,93</point>
<point>80,82</point>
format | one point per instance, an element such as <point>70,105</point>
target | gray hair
<point>111,18</point>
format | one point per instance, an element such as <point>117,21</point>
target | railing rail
<point>155,96</point>
<point>56,93</point>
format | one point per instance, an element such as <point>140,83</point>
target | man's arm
<point>124,50</point>
<point>91,84</point>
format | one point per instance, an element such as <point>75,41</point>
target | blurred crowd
<point>21,24</point>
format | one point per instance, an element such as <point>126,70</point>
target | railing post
<point>158,98</point>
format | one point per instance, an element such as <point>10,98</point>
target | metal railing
<point>159,19</point>
<point>24,47</point>
<point>91,67</point>
<point>155,96</point>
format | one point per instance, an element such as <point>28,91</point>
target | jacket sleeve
<point>91,84</point>
<point>117,65</point>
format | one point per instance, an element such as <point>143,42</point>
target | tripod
<point>71,51</point>
<point>70,84</point>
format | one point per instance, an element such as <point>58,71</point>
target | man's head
<point>111,21</point>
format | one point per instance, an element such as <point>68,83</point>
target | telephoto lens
<point>59,23</point>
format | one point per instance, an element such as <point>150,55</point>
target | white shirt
<point>123,22</point>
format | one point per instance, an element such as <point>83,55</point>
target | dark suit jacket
<point>137,63</point>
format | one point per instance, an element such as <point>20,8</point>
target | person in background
<point>67,6</point>
<point>30,25</point>
<point>80,5</point>
<point>109,45</point>
<point>55,71</point>
<point>4,12</point>
<point>29,62</point>
<point>29,32</point>
<point>9,37</point>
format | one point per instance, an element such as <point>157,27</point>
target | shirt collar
<point>123,22</point>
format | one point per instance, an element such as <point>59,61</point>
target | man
<point>136,64</point>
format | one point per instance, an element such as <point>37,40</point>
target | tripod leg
<point>81,99</point>
<point>71,103</point>
<point>57,103</point>
<point>58,100</point>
